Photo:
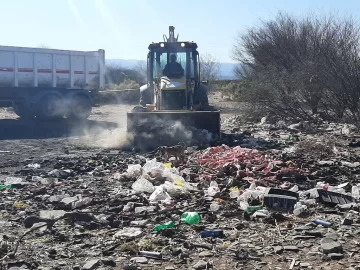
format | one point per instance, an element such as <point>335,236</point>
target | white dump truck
<point>48,83</point>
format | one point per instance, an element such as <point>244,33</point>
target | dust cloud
<point>159,133</point>
<point>107,128</point>
<point>103,135</point>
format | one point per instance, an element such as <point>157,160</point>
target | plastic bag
<point>244,205</point>
<point>153,164</point>
<point>213,189</point>
<point>170,187</point>
<point>191,218</point>
<point>134,170</point>
<point>294,188</point>
<point>234,192</point>
<point>179,181</point>
<point>156,172</point>
<point>143,185</point>
<point>355,192</point>
<point>159,195</point>
<point>214,206</point>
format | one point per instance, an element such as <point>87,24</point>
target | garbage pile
<point>225,207</point>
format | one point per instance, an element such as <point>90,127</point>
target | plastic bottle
<point>151,254</point>
<point>252,209</point>
<point>299,208</point>
<point>322,222</point>
<point>262,213</point>
<point>191,218</point>
<point>166,225</point>
<point>217,233</point>
<point>5,186</point>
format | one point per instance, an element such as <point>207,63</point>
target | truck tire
<point>50,107</point>
<point>22,111</point>
<point>80,108</point>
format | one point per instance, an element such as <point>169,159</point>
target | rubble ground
<point>264,196</point>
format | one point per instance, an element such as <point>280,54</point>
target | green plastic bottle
<point>252,209</point>
<point>5,186</point>
<point>191,218</point>
<point>166,225</point>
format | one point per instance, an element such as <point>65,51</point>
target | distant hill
<point>227,72</point>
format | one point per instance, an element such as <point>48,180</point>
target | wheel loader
<point>174,91</point>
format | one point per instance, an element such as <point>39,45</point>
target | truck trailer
<point>50,83</point>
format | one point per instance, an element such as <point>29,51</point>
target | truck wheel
<point>22,111</point>
<point>80,108</point>
<point>50,107</point>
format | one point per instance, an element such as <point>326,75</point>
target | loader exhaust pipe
<point>171,37</point>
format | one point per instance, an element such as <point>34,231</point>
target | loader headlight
<point>183,44</point>
<point>162,45</point>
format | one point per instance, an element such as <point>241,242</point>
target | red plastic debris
<point>226,158</point>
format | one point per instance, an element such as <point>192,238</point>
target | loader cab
<point>184,83</point>
<point>160,55</point>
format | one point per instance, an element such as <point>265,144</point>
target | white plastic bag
<point>153,164</point>
<point>156,172</point>
<point>294,188</point>
<point>214,207</point>
<point>134,170</point>
<point>179,181</point>
<point>355,192</point>
<point>143,185</point>
<point>172,188</point>
<point>234,192</point>
<point>213,189</point>
<point>159,195</point>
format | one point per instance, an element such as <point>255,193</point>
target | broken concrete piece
<point>328,245</point>
<point>128,232</point>
<point>91,265</point>
<point>52,214</point>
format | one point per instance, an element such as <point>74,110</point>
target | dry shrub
<point>127,84</point>
<point>317,147</point>
<point>297,67</point>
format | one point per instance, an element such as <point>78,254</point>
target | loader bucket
<point>143,121</point>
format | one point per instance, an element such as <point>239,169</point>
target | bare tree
<point>209,67</point>
<point>300,66</point>
<point>141,69</point>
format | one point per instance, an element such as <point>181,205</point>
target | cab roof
<point>181,44</point>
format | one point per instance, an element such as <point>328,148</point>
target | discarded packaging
<point>191,218</point>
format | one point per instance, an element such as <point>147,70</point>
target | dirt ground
<point>58,144</point>
<point>104,128</point>
<point>23,142</point>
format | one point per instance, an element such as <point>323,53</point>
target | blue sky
<point>125,28</point>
